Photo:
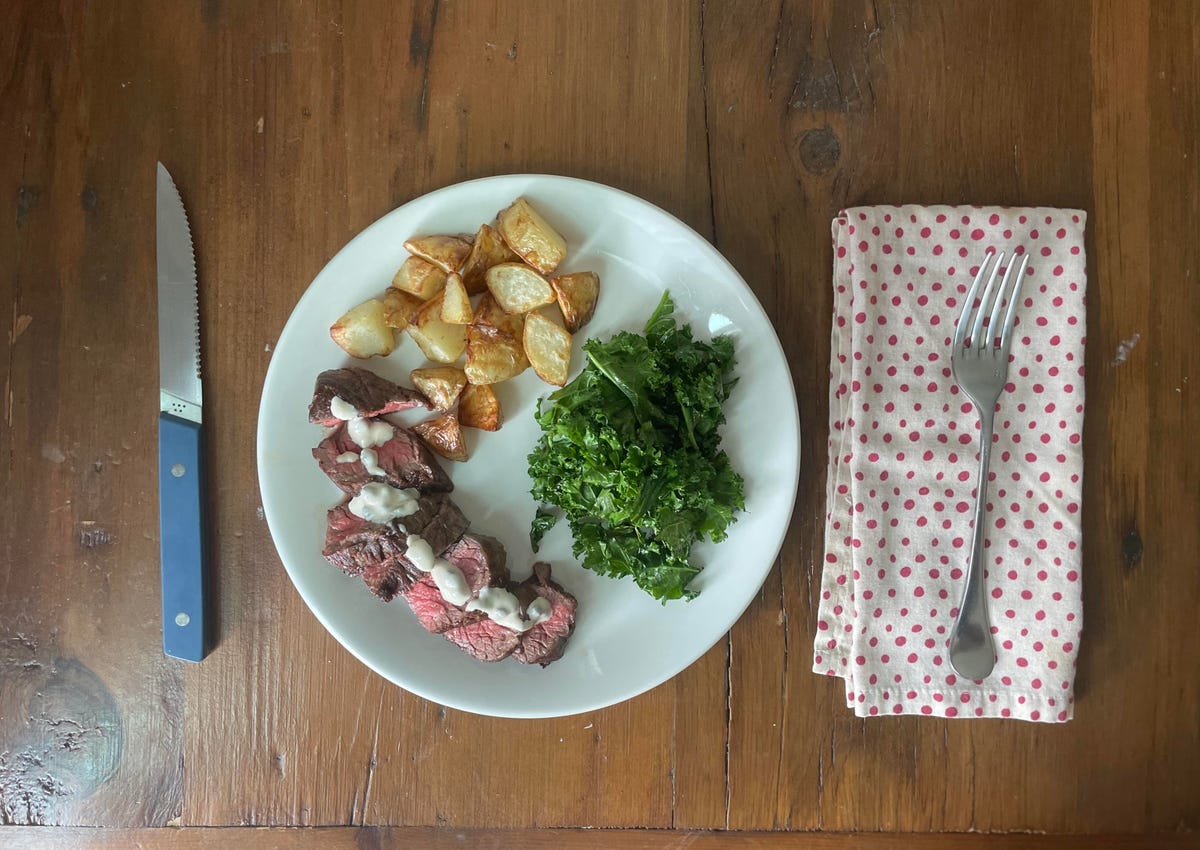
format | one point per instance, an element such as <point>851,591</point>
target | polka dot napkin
<point>903,459</point>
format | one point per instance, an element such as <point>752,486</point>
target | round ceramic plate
<point>625,642</point>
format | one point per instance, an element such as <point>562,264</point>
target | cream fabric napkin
<point>903,457</point>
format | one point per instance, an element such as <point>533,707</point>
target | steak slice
<point>387,580</point>
<point>482,560</point>
<point>368,393</point>
<point>439,521</point>
<point>405,459</point>
<point>353,545</point>
<point>545,642</point>
<point>484,639</point>
<point>367,549</point>
<point>433,612</point>
<point>376,552</point>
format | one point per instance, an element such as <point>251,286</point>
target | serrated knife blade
<point>181,501</point>
<point>178,306</point>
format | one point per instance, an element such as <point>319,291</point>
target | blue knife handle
<point>182,538</point>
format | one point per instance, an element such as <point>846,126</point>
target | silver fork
<point>979,360</point>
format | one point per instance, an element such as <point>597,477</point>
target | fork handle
<point>972,653</point>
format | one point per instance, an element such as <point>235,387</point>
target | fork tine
<point>993,328</point>
<point>984,305</point>
<point>964,319</point>
<point>1009,317</point>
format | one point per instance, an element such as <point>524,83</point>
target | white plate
<point>625,642</point>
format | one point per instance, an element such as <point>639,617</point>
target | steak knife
<point>181,527</point>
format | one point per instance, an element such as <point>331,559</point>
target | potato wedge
<point>444,436</point>
<point>441,384</point>
<point>440,341</point>
<point>419,277</point>
<point>399,307</point>
<point>531,236</point>
<point>363,332</point>
<point>577,294</point>
<point>489,314</point>
<point>456,304</point>
<point>492,355</point>
<point>548,348</point>
<point>517,288</point>
<point>487,250</point>
<point>478,407</point>
<point>445,252</point>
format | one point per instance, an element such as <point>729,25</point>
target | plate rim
<point>689,657</point>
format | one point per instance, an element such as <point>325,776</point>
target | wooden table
<point>291,126</point>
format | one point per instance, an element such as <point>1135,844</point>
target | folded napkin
<point>903,461</point>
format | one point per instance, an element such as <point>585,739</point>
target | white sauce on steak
<point>347,457</point>
<point>539,610</point>
<point>449,579</point>
<point>382,503</point>
<point>502,606</point>
<point>371,461</point>
<point>364,432</point>
<point>369,434</point>
<point>495,602</point>
<point>342,409</point>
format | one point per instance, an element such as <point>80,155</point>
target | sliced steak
<point>484,639</point>
<point>354,545</point>
<point>368,393</point>
<point>544,643</point>
<point>376,552</point>
<point>432,611</point>
<point>439,521</point>
<point>405,459</point>
<point>388,579</point>
<point>482,560</point>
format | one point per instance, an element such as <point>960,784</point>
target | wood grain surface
<point>434,838</point>
<point>291,126</point>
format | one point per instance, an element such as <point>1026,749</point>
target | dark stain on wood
<point>27,201</point>
<point>1131,548</point>
<point>368,839</point>
<point>70,743</point>
<point>818,88</point>
<point>819,149</point>
<point>210,13</point>
<point>420,50</point>
<point>88,199</point>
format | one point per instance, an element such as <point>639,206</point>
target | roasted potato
<point>548,348</point>
<point>456,304</point>
<point>518,288</point>
<point>490,314</point>
<point>440,341</point>
<point>444,436</point>
<point>399,307</point>
<point>488,249</point>
<point>363,331</point>
<point>531,236</point>
<point>576,294</point>
<point>419,277</point>
<point>478,407</point>
<point>441,384</point>
<point>445,252</point>
<point>492,355</point>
